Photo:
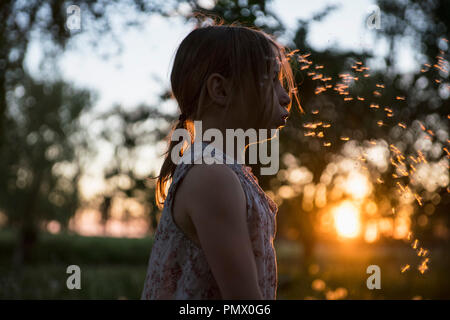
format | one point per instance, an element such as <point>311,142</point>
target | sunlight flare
<point>347,220</point>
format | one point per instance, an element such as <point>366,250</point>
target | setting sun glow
<point>346,220</point>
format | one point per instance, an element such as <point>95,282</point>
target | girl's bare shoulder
<point>212,185</point>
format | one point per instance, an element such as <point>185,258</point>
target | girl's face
<point>277,100</point>
<point>279,106</point>
<point>242,113</point>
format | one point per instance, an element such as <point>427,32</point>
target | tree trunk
<point>28,232</point>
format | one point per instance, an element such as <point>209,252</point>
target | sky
<point>142,70</point>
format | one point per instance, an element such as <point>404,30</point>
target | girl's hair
<point>243,55</point>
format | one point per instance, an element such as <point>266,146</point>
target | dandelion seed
<point>420,252</point>
<point>312,125</point>
<point>376,106</point>
<point>380,85</point>
<point>348,99</point>
<point>405,268</point>
<point>292,52</point>
<point>380,122</point>
<point>393,162</point>
<point>400,186</point>
<point>422,157</point>
<point>315,112</point>
<point>327,144</point>
<point>423,266</point>
<point>414,245</point>
<point>345,138</point>
<point>400,98</point>
<point>418,198</point>
<point>402,125</point>
<point>320,90</point>
<point>395,149</point>
<point>423,127</point>
<point>412,158</point>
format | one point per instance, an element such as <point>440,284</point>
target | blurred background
<point>85,106</point>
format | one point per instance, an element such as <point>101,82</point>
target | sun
<point>347,220</point>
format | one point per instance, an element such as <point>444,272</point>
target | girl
<point>215,236</point>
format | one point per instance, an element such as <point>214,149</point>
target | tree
<point>39,166</point>
<point>38,119</point>
<point>134,129</point>
<point>21,19</point>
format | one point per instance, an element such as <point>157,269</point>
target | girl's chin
<point>280,124</point>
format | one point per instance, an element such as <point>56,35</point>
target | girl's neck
<point>237,152</point>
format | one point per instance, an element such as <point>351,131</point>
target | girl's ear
<point>218,88</point>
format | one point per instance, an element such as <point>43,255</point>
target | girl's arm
<point>216,204</point>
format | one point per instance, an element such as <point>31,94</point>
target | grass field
<point>114,268</point>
